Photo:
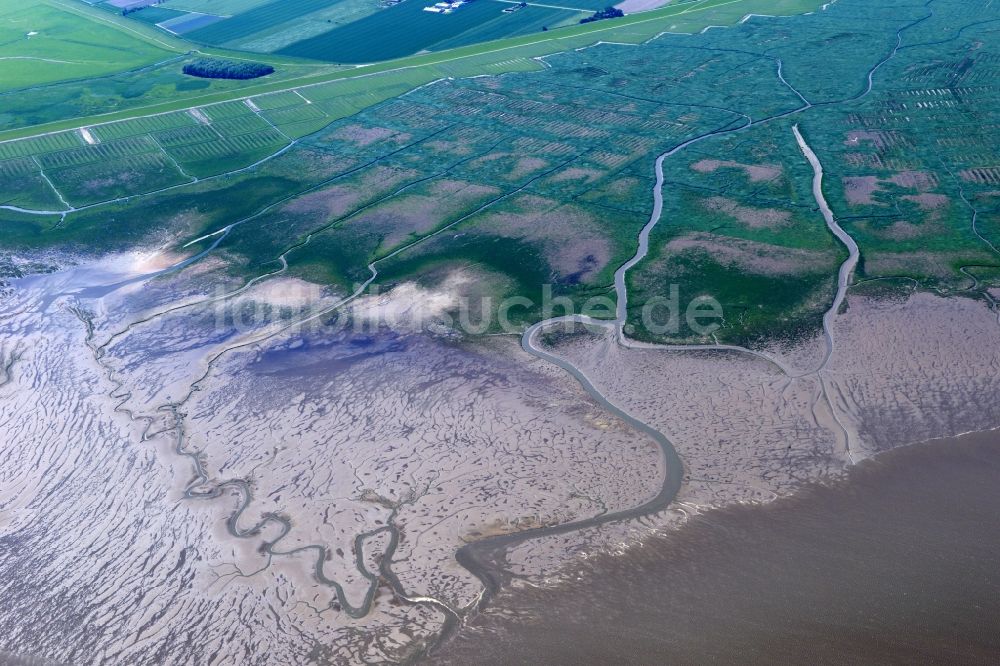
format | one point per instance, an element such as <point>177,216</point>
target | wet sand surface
<point>181,484</point>
<point>179,489</point>
<point>896,563</point>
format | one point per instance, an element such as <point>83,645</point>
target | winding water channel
<point>484,558</point>
<point>846,268</point>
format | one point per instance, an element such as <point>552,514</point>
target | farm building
<point>444,7</point>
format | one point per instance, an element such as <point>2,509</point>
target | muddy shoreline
<point>892,562</point>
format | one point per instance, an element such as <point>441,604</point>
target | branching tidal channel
<point>485,557</point>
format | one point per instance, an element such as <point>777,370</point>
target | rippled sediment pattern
<point>288,501</point>
<point>894,564</point>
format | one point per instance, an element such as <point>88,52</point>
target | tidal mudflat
<point>894,563</point>
<point>166,489</point>
<point>246,420</point>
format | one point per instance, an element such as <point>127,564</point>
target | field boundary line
<point>539,4</point>
<point>106,20</point>
<point>346,75</point>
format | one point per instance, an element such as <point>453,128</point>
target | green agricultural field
<point>218,7</point>
<point>67,106</point>
<point>275,36</point>
<point>218,156</point>
<point>397,31</point>
<point>139,126</point>
<point>587,7</point>
<point>40,145</point>
<point>255,20</point>
<point>311,28</point>
<point>544,176</point>
<point>530,20</point>
<point>42,43</point>
<point>351,31</point>
<point>115,95</point>
<point>93,183</point>
<point>153,15</point>
<point>84,61</point>
<point>22,185</point>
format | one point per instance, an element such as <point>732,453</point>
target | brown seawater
<point>897,563</point>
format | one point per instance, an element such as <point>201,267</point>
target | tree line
<point>606,13</point>
<point>210,68</point>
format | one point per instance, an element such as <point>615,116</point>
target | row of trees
<point>606,13</point>
<point>211,68</point>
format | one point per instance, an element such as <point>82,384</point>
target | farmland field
<point>153,15</point>
<point>588,6</point>
<point>359,30</point>
<point>523,22</point>
<point>353,31</point>
<point>338,13</point>
<point>219,7</point>
<point>256,20</point>
<point>237,134</point>
<point>161,88</point>
<point>185,23</point>
<point>117,92</point>
<point>231,136</point>
<point>44,43</point>
<point>406,28</point>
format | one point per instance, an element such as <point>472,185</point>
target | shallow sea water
<point>897,563</point>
